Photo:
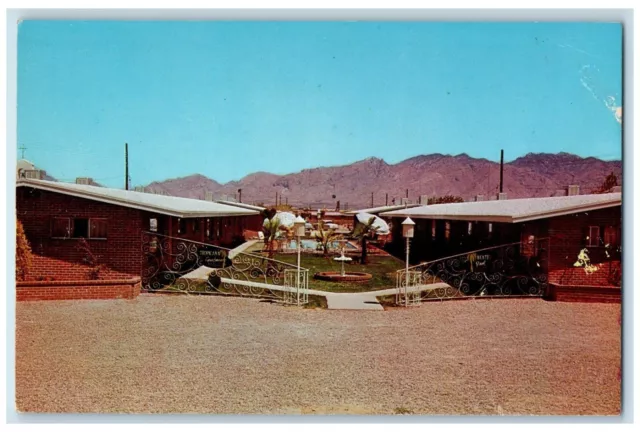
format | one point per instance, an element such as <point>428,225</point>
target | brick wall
<point>78,290</point>
<point>567,237</point>
<point>48,268</point>
<point>578,275</point>
<point>61,258</point>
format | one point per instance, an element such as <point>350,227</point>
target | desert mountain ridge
<point>531,175</point>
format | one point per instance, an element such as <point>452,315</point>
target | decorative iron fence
<point>516,269</point>
<point>172,264</point>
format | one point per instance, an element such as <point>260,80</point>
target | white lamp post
<point>407,232</point>
<point>298,229</point>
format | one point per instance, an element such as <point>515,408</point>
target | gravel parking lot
<point>191,354</point>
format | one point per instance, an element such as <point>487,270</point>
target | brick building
<point>65,223</point>
<point>571,224</point>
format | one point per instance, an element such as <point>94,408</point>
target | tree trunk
<point>363,257</point>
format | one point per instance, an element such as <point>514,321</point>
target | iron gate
<point>172,264</point>
<point>515,269</point>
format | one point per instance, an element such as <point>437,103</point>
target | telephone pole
<point>371,199</point>
<point>501,167</point>
<point>126,166</point>
<point>386,199</point>
<point>23,148</point>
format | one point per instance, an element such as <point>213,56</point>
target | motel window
<point>527,244</point>
<point>61,228</point>
<point>593,238</point>
<point>208,231</point>
<point>447,230</point>
<point>153,224</point>
<point>469,228</point>
<point>79,228</point>
<point>182,226</point>
<point>433,229</point>
<point>611,236</point>
<point>98,228</point>
<point>490,229</point>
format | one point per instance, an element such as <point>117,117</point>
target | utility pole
<point>23,148</point>
<point>386,199</point>
<point>371,199</point>
<point>407,193</point>
<point>240,194</point>
<point>276,199</point>
<point>126,166</point>
<point>501,167</point>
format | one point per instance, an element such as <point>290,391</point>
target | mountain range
<point>532,175</point>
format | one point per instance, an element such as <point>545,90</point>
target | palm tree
<point>325,238</point>
<point>270,228</point>
<point>364,232</point>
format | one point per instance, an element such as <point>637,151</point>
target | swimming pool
<point>313,245</point>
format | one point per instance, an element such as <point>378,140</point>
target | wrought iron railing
<point>172,264</point>
<point>515,269</point>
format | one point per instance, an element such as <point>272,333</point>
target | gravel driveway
<point>201,354</point>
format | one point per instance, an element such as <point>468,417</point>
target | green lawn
<point>382,268</point>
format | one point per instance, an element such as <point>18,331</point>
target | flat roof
<point>512,210</point>
<point>168,205</point>
<point>375,210</point>
<point>241,205</point>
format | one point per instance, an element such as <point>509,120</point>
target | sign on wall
<point>213,258</point>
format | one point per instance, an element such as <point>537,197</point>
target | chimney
<point>573,190</point>
<point>616,189</point>
<point>424,199</point>
<point>502,196</point>
<point>83,180</point>
<point>479,197</point>
<point>208,196</point>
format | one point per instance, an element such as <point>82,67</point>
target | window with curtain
<point>98,228</point>
<point>61,227</point>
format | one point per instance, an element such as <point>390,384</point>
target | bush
<point>91,260</point>
<point>23,253</point>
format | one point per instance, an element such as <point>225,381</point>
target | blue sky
<point>229,98</point>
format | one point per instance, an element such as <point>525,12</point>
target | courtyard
<point>211,354</point>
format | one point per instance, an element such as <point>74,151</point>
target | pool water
<point>313,244</point>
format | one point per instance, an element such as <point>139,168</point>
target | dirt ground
<point>201,354</point>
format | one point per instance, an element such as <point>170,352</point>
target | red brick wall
<point>578,276</point>
<point>61,258</point>
<point>48,268</point>
<point>566,235</point>
<point>78,290</point>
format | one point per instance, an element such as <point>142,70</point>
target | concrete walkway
<point>345,301</point>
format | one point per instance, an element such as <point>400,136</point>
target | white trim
<point>508,218</point>
<point>59,188</point>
